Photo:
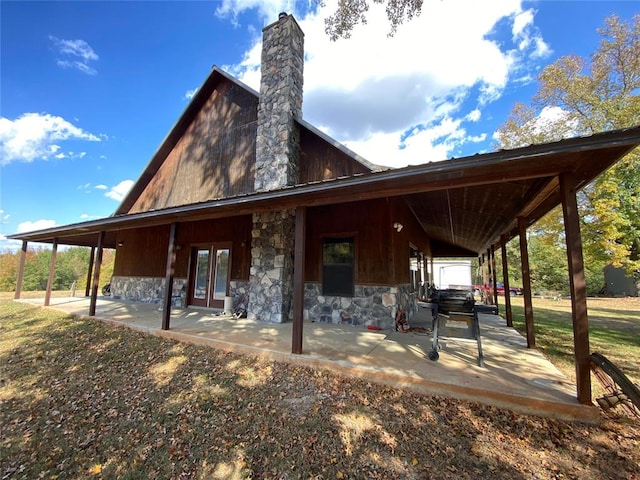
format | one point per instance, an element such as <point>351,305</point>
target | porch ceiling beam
<point>534,206</point>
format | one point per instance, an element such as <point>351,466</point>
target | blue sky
<point>88,90</point>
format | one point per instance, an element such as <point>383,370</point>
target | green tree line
<point>72,265</point>
<point>582,96</point>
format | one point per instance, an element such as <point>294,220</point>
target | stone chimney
<point>277,158</point>
<point>278,139</point>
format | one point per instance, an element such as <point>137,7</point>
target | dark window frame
<point>339,278</point>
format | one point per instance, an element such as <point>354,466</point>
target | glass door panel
<point>202,274</point>
<point>209,277</point>
<point>221,274</point>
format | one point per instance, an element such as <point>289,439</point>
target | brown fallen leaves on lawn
<point>81,399</point>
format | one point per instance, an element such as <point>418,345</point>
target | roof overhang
<point>467,203</point>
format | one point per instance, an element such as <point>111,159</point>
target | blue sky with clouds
<point>88,90</point>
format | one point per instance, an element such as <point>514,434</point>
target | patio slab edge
<point>530,406</point>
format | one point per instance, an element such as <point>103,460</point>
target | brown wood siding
<point>382,254</point>
<point>214,159</point>
<point>320,160</point>
<point>144,251</point>
<point>412,233</point>
<point>236,230</point>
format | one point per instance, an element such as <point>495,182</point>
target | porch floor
<point>513,376</point>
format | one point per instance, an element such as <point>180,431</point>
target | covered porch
<point>513,376</point>
<point>467,207</point>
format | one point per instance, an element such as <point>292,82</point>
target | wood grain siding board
<point>319,160</point>
<point>232,229</point>
<point>215,158</point>
<point>143,250</point>
<point>368,222</point>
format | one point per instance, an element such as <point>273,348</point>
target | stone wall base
<point>239,290</point>
<point>151,290</point>
<point>148,290</point>
<point>370,306</point>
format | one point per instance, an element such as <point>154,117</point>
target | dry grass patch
<point>82,399</point>
<point>614,331</point>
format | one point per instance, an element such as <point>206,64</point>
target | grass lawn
<point>83,399</point>
<point>614,331</point>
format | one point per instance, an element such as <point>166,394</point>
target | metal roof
<point>463,204</point>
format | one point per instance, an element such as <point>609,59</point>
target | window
<point>337,266</point>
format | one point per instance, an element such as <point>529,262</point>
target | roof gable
<point>210,152</point>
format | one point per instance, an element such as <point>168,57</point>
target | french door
<point>210,271</point>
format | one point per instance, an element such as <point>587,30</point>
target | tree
<point>350,13</point>
<point>580,96</point>
<point>71,266</point>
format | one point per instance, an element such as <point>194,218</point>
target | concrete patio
<point>513,376</point>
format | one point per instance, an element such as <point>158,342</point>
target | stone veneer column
<point>277,156</point>
<point>271,277</point>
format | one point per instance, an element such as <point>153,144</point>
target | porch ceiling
<point>464,204</point>
<point>474,216</point>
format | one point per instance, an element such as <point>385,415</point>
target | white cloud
<point>474,115</point>
<point>120,190</point>
<point>35,136</point>
<point>7,245</point>
<point>77,55</point>
<point>432,78</point>
<point>100,187</point>
<point>551,123</point>
<point>526,35</point>
<point>267,9</point>
<point>37,225</point>
<point>188,95</point>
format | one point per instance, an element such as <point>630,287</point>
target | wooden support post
<point>168,278</point>
<point>491,293</point>
<point>87,288</point>
<point>425,269</point>
<point>52,271</point>
<point>526,283</point>
<point>494,276</point>
<point>483,266</point>
<point>577,286</point>
<point>433,274</point>
<point>485,280</point>
<point>96,275</point>
<point>298,279</point>
<point>505,280</point>
<point>23,257</point>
